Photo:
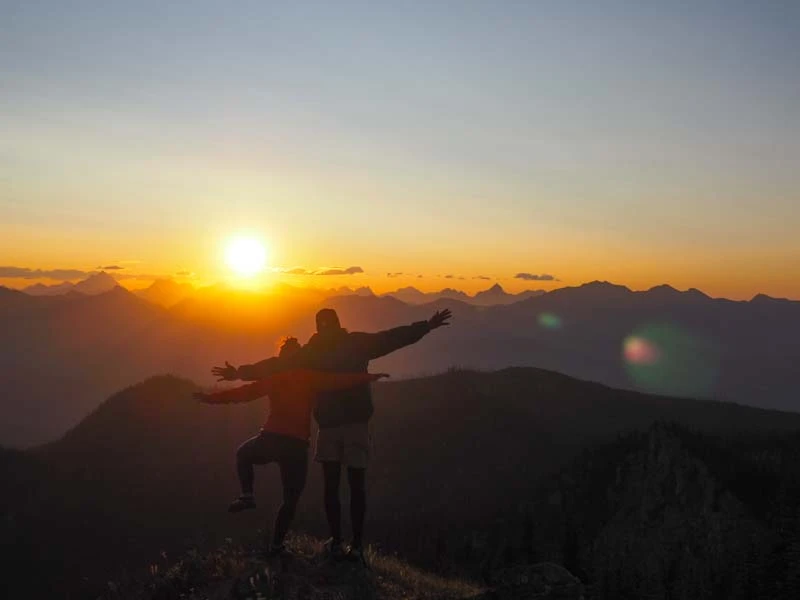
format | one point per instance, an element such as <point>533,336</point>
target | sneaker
<point>333,549</point>
<point>241,503</point>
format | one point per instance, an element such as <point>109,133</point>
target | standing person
<point>343,416</point>
<point>284,437</point>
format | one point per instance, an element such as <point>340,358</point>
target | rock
<point>540,581</point>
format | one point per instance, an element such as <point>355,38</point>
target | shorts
<point>347,444</point>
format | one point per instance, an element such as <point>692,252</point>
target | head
<point>328,322</point>
<point>288,346</point>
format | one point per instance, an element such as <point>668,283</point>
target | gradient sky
<point>636,142</point>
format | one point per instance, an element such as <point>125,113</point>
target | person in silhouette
<point>343,416</point>
<point>285,436</point>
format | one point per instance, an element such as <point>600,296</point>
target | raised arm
<point>259,370</point>
<point>239,395</point>
<point>252,372</point>
<point>375,345</point>
<point>330,382</point>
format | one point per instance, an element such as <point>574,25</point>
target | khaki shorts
<point>347,444</point>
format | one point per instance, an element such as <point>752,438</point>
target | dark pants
<point>291,454</point>
<point>332,473</point>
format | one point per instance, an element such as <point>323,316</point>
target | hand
<point>226,373</point>
<point>202,397</point>
<point>440,318</point>
<point>380,375</point>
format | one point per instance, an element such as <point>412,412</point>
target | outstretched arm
<point>252,372</point>
<point>259,370</point>
<point>382,343</point>
<point>245,393</point>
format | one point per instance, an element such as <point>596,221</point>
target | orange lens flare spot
<point>639,351</point>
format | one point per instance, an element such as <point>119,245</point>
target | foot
<point>241,503</point>
<point>333,549</point>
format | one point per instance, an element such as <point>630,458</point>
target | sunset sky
<point>478,140</point>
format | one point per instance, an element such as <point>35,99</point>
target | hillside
<point>671,513</point>
<point>153,466</point>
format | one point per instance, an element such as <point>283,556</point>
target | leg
<point>252,452</point>
<point>358,502</point>
<point>357,442</point>
<point>332,472</point>
<point>294,468</point>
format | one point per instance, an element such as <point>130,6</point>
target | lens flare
<point>549,321</point>
<point>639,351</point>
<point>667,359</point>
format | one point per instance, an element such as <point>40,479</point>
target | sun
<point>246,256</point>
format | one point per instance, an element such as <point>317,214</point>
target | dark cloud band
<point>534,277</point>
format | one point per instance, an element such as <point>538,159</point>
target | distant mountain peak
<point>765,299</point>
<point>697,293</point>
<point>495,290</point>
<point>663,289</point>
<point>607,285</point>
<point>96,283</point>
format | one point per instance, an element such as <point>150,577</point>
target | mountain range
<point>61,355</point>
<point>167,292</point>
<point>490,297</point>
<point>96,283</point>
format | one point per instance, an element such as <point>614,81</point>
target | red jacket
<point>291,395</point>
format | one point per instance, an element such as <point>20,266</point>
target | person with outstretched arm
<point>284,437</point>
<point>343,416</point>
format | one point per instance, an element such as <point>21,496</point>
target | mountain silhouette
<point>96,283</point>
<point>670,512</point>
<point>166,292</point>
<point>153,467</point>
<point>495,295</point>
<point>40,289</point>
<point>64,354</point>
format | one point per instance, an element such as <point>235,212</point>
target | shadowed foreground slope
<point>674,514</point>
<point>456,470</point>
<point>233,571</point>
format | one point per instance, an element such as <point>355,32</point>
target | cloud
<point>483,277</point>
<point>111,268</point>
<point>394,274</point>
<point>448,276</point>
<point>184,274</point>
<point>338,271</point>
<point>57,274</point>
<point>419,276</point>
<point>532,277</point>
<point>324,271</point>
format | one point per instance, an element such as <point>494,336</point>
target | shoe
<point>356,554</point>
<point>333,549</point>
<point>241,503</point>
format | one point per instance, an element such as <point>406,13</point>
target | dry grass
<point>396,579</point>
<point>230,571</point>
